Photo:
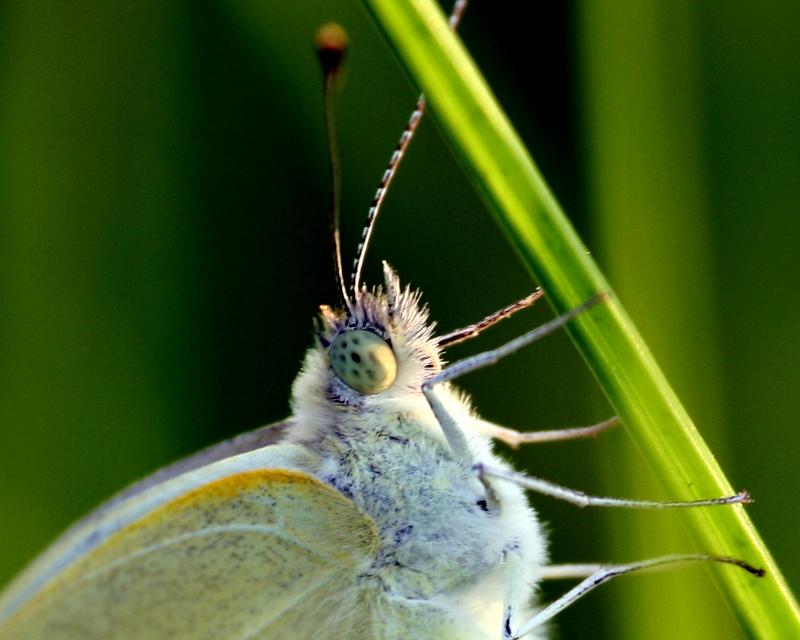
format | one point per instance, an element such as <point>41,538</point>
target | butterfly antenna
<point>394,162</point>
<point>330,42</point>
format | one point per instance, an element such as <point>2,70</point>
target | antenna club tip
<point>330,42</point>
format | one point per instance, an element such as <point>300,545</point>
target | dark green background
<point>164,246</point>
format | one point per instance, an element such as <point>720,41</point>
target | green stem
<point>507,177</point>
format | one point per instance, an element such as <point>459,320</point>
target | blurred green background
<point>164,246</point>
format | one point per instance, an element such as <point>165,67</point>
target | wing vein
<point>263,624</point>
<point>232,528</point>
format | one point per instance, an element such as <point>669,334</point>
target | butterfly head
<point>380,346</point>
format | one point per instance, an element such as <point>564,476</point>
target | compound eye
<point>363,361</point>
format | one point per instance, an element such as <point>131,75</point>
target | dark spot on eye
<point>356,372</point>
<point>355,357</point>
<point>356,341</point>
<point>483,505</point>
<point>344,343</point>
<point>341,357</point>
<point>372,358</point>
<point>370,373</point>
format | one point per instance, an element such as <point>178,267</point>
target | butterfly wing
<point>247,547</point>
<point>89,528</point>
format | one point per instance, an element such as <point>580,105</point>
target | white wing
<point>247,547</point>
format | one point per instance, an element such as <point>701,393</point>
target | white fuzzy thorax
<point>448,540</point>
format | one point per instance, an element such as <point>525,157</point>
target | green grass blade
<point>529,214</point>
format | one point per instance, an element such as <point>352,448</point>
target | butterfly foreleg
<point>474,330</point>
<point>452,432</point>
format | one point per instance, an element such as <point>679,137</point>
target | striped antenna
<point>330,42</point>
<point>394,162</point>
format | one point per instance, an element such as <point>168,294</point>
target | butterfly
<point>377,510</point>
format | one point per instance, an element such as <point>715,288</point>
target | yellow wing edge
<point>223,479</point>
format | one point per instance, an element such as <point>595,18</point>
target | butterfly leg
<point>515,438</point>
<point>570,571</point>
<point>582,499</point>
<point>454,435</point>
<point>514,585</point>
<point>473,330</point>
<point>602,574</point>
